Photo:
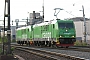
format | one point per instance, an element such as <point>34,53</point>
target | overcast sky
<point>20,8</point>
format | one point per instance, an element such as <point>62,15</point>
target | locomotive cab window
<point>65,25</point>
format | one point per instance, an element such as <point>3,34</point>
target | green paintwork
<point>24,33</point>
<point>47,31</point>
<point>53,31</point>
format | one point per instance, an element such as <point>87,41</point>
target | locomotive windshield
<point>65,25</point>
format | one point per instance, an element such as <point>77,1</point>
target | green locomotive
<point>54,32</point>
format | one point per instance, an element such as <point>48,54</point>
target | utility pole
<point>27,20</point>
<point>16,20</point>
<point>43,10</point>
<point>4,27</point>
<point>85,34</point>
<point>8,30</point>
<point>84,24</point>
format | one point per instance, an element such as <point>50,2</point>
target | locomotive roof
<point>65,20</point>
<point>23,27</point>
<point>51,22</point>
<point>46,23</point>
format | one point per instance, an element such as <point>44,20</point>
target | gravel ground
<point>72,53</point>
<point>28,56</point>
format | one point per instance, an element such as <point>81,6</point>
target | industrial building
<point>80,28</point>
<point>35,18</point>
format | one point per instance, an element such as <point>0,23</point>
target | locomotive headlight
<point>66,30</point>
<point>72,36</point>
<point>60,36</point>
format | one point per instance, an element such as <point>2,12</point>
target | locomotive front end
<point>67,34</point>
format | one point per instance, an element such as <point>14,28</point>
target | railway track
<point>74,48</point>
<point>48,54</point>
<point>81,48</point>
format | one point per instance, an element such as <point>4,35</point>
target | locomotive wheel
<point>67,46</point>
